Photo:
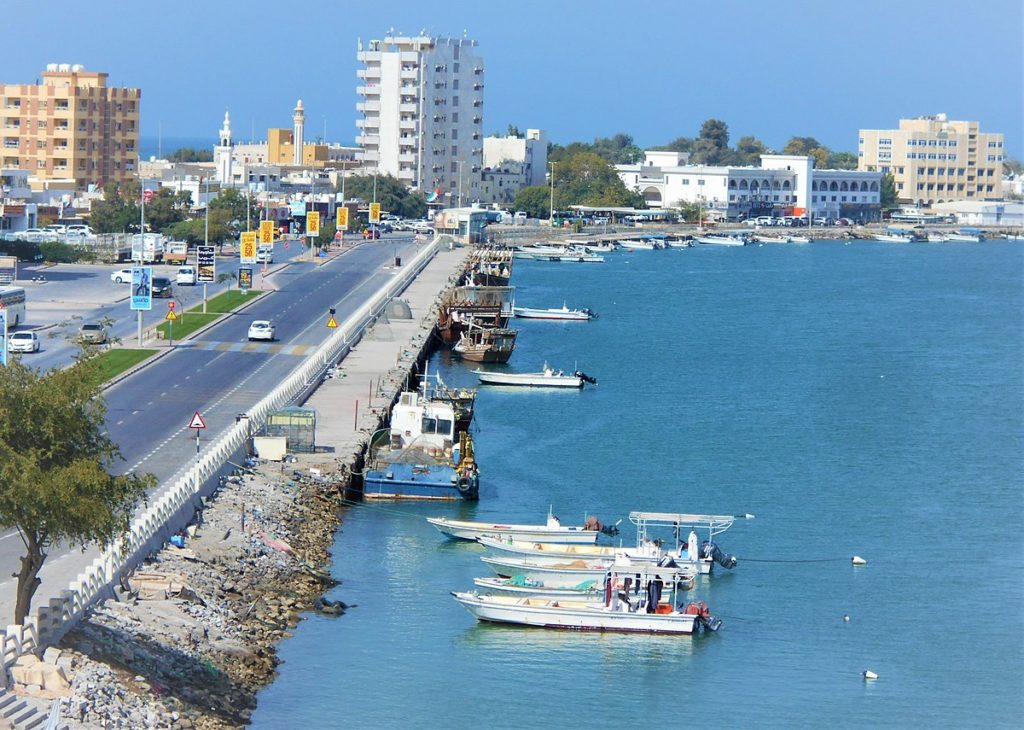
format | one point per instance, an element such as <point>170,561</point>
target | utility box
<point>271,448</point>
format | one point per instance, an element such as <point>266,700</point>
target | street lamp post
<point>551,203</point>
<point>206,234</point>
<point>142,239</point>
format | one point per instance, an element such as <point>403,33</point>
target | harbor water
<point>859,399</point>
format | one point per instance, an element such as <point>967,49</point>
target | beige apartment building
<point>934,160</point>
<point>72,128</point>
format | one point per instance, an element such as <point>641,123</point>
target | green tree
<point>535,200</point>
<point>808,146</point>
<point>749,150</point>
<point>189,154</point>
<point>842,161</point>
<point>1012,167</point>
<point>680,144</point>
<point>587,178</point>
<point>193,230</point>
<point>55,463</point>
<point>392,194</point>
<point>327,230</point>
<point>712,146</point>
<point>118,211</point>
<point>234,203</point>
<point>164,209</point>
<point>690,212</point>
<point>888,193</point>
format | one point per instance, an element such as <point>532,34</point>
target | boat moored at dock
<point>547,378</point>
<point>563,313</point>
<point>552,531</point>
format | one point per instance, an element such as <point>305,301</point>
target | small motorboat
<point>648,605</point>
<point>636,245</point>
<point>797,239</point>
<point>564,313</point>
<point>551,531</point>
<point>547,378</point>
<point>720,240</point>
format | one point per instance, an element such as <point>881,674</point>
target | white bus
<point>12,300</point>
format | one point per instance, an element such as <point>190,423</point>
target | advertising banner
<point>313,223</point>
<point>248,248</point>
<point>206,264</point>
<point>142,288</point>
<point>267,231</point>
<point>374,212</point>
<point>245,277</point>
<point>342,218</point>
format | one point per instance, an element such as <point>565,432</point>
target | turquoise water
<point>859,399</point>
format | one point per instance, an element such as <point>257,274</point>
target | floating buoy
<point>846,617</point>
<point>868,674</point>
<point>858,560</point>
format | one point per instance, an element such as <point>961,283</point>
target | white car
<point>186,275</point>
<point>121,276</point>
<point>261,329</point>
<point>23,342</point>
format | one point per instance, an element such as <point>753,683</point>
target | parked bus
<point>12,300</point>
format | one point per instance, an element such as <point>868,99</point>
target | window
<point>455,133</point>
<point>429,425</point>
<point>455,101</point>
<point>455,84</point>
<point>455,117</point>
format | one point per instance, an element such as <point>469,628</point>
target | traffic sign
<point>374,212</point>
<point>332,323</point>
<point>197,421</point>
<point>313,223</point>
<point>172,316</point>
<point>170,305</point>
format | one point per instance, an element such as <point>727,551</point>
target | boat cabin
<point>427,423</point>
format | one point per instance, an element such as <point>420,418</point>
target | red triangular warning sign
<point>197,421</point>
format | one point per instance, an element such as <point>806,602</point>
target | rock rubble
<point>190,637</point>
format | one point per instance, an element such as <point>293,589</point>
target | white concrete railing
<point>175,506</point>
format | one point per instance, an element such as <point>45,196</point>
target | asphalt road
<point>221,374</point>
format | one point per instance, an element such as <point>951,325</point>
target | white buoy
<point>846,617</point>
<point>858,560</point>
<point>868,674</point>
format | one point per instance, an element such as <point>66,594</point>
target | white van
<point>186,275</point>
<point>265,253</point>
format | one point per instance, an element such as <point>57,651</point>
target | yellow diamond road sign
<point>332,322</point>
<point>171,316</point>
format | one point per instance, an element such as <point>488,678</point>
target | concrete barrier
<point>175,506</point>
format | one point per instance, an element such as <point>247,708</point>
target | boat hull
<point>461,530</point>
<point>530,380</point>
<point>574,315</point>
<point>507,587</point>
<point>578,616</point>
<point>554,575</point>
<point>484,354</point>
<point>419,481</point>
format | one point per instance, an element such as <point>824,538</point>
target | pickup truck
<point>175,252</point>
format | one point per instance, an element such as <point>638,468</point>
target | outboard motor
<point>703,614</point>
<point>592,523</point>
<point>586,378</point>
<point>591,312</point>
<point>708,549</point>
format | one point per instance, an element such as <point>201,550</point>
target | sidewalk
<point>350,405</point>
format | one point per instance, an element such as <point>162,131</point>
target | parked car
<point>23,342</point>
<point>185,275</point>
<point>121,276</point>
<point>844,222</point>
<point>261,329</point>
<point>93,333</point>
<point>162,287</point>
<point>35,235</point>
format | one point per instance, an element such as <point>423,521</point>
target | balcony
<point>409,73</point>
<point>477,86</point>
<point>407,123</point>
<point>408,108</point>
<point>368,156</point>
<point>367,107</point>
<point>371,90</point>
<point>409,157</point>
<point>370,72</point>
<point>368,140</point>
<point>368,57</point>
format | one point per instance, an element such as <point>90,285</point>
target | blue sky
<point>655,70</point>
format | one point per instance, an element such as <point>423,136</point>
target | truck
<point>175,252</point>
<point>147,247</point>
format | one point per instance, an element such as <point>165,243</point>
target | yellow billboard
<point>313,223</point>
<point>342,218</point>
<point>374,212</point>
<point>266,231</point>
<point>248,249</point>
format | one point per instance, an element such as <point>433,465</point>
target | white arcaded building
<point>782,185</point>
<point>422,112</point>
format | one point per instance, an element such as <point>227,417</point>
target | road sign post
<point>3,336</point>
<point>198,424</point>
<point>206,268</point>
<point>171,317</point>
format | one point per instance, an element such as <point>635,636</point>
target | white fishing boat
<point>551,531</point>
<point>551,552</point>
<point>895,235</point>
<point>720,240</point>
<point>554,575</point>
<point>937,238</point>
<point>580,244</point>
<point>683,528</point>
<point>589,591</point>
<point>966,235</point>
<point>547,378</point>
<point>545,249</point>
<point>563,313</point>
<point>678,243</point>
<point>760,238</point>
<point>636,245</point>
<point>797,239</point>
<point>644,610</point>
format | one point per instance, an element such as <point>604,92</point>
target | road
<point>220,374</point>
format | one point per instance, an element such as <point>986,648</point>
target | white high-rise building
<point>422,110</point>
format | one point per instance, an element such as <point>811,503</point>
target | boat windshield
<point>441,426</point>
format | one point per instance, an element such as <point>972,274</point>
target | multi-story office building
<point>72,126</point>
<point>934,160</point>
<point>422,112</point>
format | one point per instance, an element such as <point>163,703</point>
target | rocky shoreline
<point>191,636</point>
